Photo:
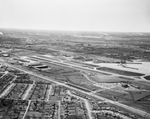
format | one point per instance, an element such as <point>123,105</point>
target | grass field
<point>121,72</point>
<point>80,80</point>
<point>139,105</point>
<point>100,78</point>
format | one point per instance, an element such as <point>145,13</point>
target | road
<point>77,66</point>
<point>13,79</point>
<point>28,90</point>
<point>29,102</point>
<point>5,73</point>
<point>131,109</point>
<point>49,92</point>
<point>86,104</point>
<point>38,58</point>
<point>99,85</point>
<point>6,91</point>
<point>113,113</point>
<point>59,104</point>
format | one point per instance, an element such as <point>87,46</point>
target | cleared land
<point>99,78</point>
<point>121,72</point>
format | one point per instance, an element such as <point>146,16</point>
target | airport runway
<point>48,61</point>
<point>131,109</point>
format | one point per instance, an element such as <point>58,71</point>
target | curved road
<point>131,109</point>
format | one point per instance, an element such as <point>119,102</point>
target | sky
<point>82,15</point>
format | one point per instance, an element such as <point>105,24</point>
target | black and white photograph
<point>74,59</point>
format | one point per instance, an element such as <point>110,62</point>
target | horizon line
<point>70,30</point>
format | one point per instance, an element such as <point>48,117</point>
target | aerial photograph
<point>74,59</point>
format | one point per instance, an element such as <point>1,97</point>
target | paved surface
<point>28,90</point>
<point>6,91</point>
<point>29,102</point>
<point>59,104</point>
<point>77,66</point>
<point>49,92</point>
<point>131,109</point>
<point>99,85</point>
<point>111,112</point>
<point>86,104</point>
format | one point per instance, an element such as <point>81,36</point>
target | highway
<point>77,66</point>
<point>131,109</point>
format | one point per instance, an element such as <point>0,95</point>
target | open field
<point>99,78</point>
<point>140,105</point>
<point>121,72</point>
<point>82,81</point>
